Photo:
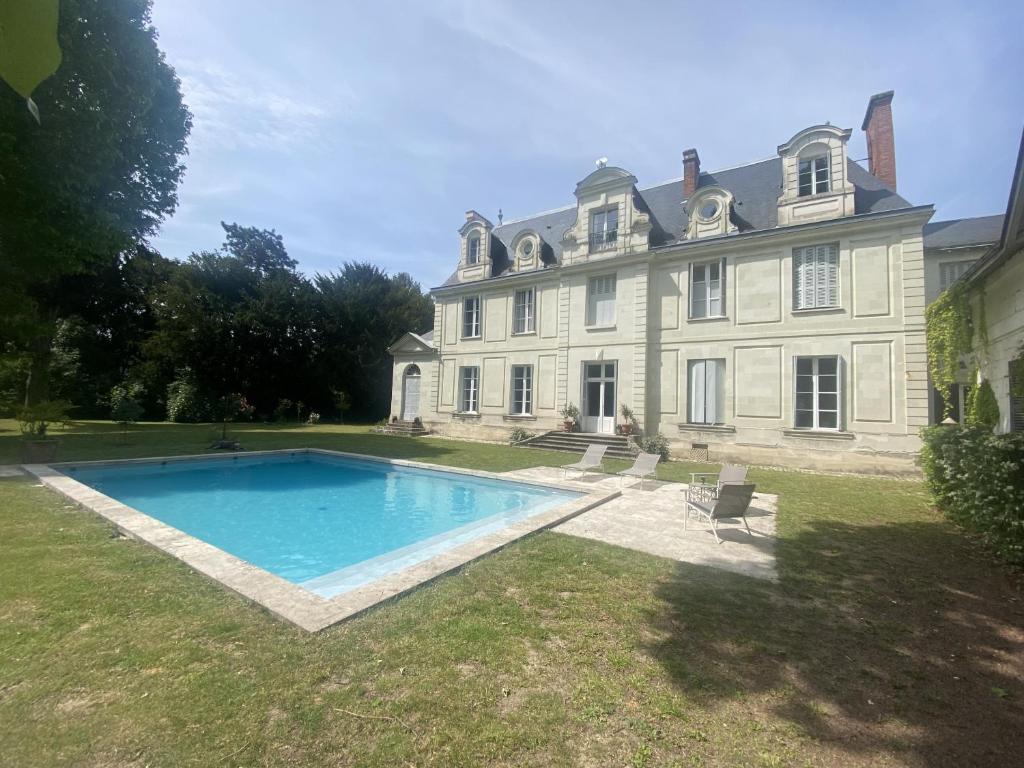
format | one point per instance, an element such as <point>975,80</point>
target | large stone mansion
<point>770,313</point>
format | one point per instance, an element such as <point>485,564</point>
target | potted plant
<point>570,415</point>
<point>626,428</point>
<point>34,420</point>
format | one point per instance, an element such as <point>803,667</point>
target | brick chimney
<point>881,144</point>
<point>691,172</point>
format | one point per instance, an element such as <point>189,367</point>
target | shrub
<point>982,406</point>
<point>518,434</point>
<point>314,418</point>
<point>185,403</point>
<point>35,420</point>
<point>655,444</point>
<point>125,407</point>
<point>977,479</point>
<point>283,411</point>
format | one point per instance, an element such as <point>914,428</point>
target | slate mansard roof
<point>756,188</point>
<point>964,233</point>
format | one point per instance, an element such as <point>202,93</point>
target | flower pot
<point>625,430</point>
<point>567,425</point>
<point>38,451</point>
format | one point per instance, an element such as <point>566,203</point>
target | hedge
<point>977,478</point>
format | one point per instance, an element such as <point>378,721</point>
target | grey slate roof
<point>755,187</point>
<point>959,233</point>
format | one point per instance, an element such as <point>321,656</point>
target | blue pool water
<point>327,523</point>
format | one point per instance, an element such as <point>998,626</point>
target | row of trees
<point>90,314</point>
<point>226,327</point>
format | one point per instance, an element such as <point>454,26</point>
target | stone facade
<point>733,281</point>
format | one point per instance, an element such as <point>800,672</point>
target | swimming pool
<point>329,523</point>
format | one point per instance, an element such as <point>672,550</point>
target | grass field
<point>891,639</point>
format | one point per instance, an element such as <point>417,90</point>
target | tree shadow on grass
<point>898,639</point>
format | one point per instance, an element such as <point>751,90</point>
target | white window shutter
<point>710,391</point>
<point>697,384</point>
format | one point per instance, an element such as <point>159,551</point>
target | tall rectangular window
<point>522,390</point>
<point>706,391</point>
<point>817,395</point>
<point>469,389</point>
<point>604,229</point>
<point>950,272</point>
<point>707,289</point>
<point>522,311</point>
<point>471,317</point>
<point>473,249</point>
<point>814,175</point>
<point>601,301</point>
<point>816,277</point>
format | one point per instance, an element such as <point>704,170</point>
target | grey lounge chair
<point>733,501</point>
<point>592,459</point>
<point>730,474</point>
<point>645,464</point>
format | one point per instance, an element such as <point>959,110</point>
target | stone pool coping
<point>282,598</point>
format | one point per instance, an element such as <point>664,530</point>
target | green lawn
<point>890,640</point>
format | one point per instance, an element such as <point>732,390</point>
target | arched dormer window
<point>815,178</point>
<point>814,170</point>
<point>525,250</point>
<point>473,249</point>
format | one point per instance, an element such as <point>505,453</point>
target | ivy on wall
<point>949,334</point>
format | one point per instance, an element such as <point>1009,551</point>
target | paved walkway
<point>651,520</point>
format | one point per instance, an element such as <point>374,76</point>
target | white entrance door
<point>411,393</point>
<point>599,397</point>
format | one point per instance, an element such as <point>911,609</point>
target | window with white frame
<point>522,311</point>
<point>951,271</point>
<point>522,390</point>
<point>707,289</point>
<point>814,175</point>
<point>604,229</point>
<point>818,392</point>
<point>471,317</point>
<point>706,401</point>
<point>601,301</point>
<point>816,277</point>
<point>469,389</point>
<point>473,249</point>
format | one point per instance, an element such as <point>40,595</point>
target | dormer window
<point>709,210</point>
<point>604,229</point>
<point>814,176</point>
<point>473,249</point>
<point>527,248</point>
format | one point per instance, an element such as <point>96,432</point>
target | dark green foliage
<point>655,444</point>
<point>982,406</point>
<point>977,478</point>
<point>35,420</point>
<point>95,177</point>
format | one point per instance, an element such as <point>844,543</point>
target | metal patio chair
<point>733,502</point>
<point>645,464</point>
<point>592,459</point>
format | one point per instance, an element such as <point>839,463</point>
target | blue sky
<point>364,131</point>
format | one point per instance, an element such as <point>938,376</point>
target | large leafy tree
<point>363,310</point>
<point>95,177</point>
<point>242,320</point>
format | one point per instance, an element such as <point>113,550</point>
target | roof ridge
<point>665,183</point>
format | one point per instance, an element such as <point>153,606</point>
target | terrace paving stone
<point>651,520</point>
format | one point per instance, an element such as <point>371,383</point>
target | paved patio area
<point>651,520</point>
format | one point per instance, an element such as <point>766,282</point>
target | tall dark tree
<point>95,177</point>
<point>363,310</point>
<point>242,321</point>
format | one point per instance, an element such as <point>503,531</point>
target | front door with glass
<point>599,397</point>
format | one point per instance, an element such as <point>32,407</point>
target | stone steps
<point>619,447</point>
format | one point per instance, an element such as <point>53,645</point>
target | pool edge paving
<point>291,602</point>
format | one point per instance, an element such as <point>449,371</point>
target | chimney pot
<point>877,126</point>
<point>691,172</point>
